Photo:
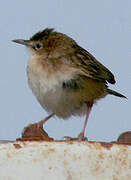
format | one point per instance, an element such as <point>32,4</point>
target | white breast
<point>48,89</point>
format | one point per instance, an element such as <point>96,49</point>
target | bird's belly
<point>56,100</point>
<point>61,101</point>
<point>52,97</point>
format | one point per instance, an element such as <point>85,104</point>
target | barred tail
<point>115,93</point>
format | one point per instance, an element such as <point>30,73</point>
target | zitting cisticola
<point>65,78</point>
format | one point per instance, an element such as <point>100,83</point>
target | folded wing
<point>90,66</point>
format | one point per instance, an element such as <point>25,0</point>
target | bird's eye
<point>37,46</point>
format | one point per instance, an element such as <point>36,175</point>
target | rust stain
<point>97,168</point>
<point>24,144</point>
<point>108,146</point>
<point>9,155</point>
<point>99,145</point>
<point>115,178</point>
<point>101,156</point>
<point>17,146</point>
<point>52,150</point>
<point>69,142</point>
<point>65,150</point>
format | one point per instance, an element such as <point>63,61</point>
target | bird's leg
<point>40,123</point>
<point>81,135</point>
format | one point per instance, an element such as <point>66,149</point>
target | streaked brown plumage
<point>66,79</point>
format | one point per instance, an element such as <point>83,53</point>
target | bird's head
<point>39,42</point>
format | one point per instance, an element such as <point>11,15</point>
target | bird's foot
<point>79,138</point>
<point>68,138</point>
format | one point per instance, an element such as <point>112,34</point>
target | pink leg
<point>40,123</point>
<point>81,135</point>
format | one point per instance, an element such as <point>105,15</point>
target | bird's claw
<point>79,138</point>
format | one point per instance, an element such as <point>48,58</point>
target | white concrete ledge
<point>62,160</point>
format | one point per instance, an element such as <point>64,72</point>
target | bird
<point>66,79</point>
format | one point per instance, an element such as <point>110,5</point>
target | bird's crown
<point>42,34</point>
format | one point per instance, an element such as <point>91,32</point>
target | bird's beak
<point>23,42</point>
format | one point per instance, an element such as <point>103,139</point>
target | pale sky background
<point>102,27</point>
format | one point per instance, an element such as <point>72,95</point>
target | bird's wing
<point>90,66</point>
